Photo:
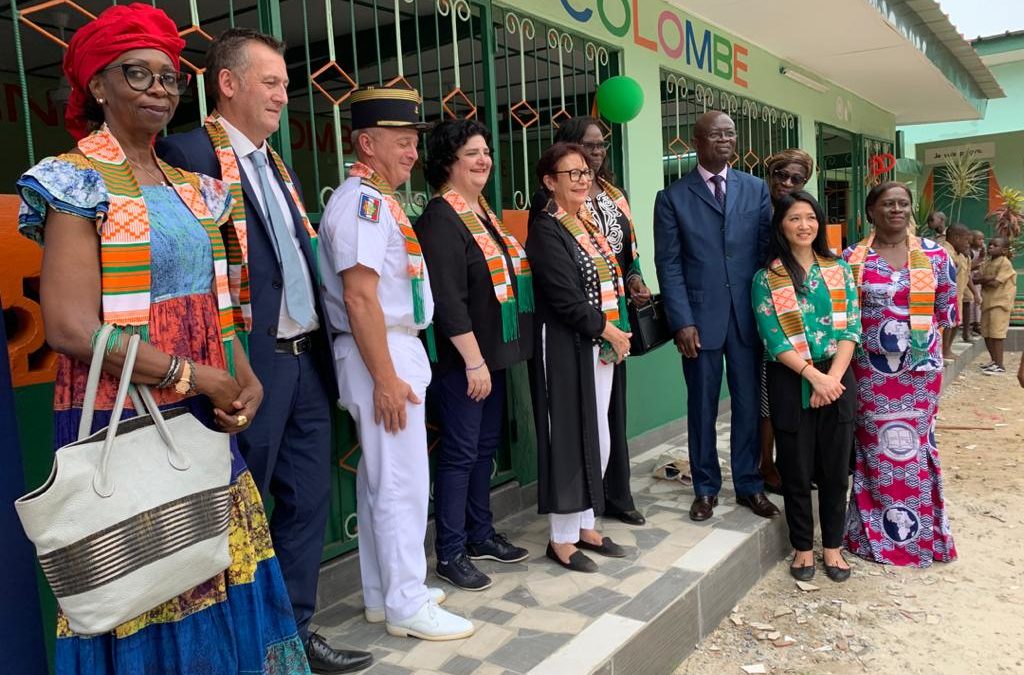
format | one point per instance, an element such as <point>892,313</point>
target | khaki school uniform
<point>997,301</point>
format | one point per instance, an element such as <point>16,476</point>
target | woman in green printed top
<point>805,301</point>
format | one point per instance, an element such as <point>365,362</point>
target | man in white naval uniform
<point>378,299</point>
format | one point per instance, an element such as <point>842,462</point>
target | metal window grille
<point>761,129</point>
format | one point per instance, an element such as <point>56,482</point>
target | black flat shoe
<point>578,561</point>
<point>805,573</point>
<point>608,548</point>
<point>631,517</point>
<point>837,574</point>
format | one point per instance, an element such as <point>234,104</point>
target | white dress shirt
<point>243,147</point>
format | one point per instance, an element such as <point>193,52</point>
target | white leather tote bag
<point>132,515</point>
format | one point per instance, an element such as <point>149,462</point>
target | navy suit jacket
<point>193,151</point>
<point>706,258</point>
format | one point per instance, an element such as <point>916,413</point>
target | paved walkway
<point>640,614</point>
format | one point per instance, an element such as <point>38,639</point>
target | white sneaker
<point>376,614</point>
<point>432,623</point>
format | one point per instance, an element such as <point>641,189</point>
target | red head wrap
<point>95,45</point>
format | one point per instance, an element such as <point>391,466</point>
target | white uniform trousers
<point>393,479</point>
<point>565,527</point>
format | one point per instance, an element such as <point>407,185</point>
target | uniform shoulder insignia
<point>369,208</point>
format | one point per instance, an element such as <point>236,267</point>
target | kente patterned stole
<point>922,290</point>
<point>412,244</point>
<point>593,243</point>
<point>511,301</point>
<point>620,202</point>
<point>124,240</point>
<point>236,237</point>
<point>787,306</point>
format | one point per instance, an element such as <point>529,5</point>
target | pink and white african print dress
<point>897,514</point>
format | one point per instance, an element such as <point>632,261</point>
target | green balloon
<point>619,99</point>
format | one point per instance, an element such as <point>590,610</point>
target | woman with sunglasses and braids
<point>134,243</point>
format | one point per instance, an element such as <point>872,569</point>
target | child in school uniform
<point>972,307</point>
<point>998,281</point>
<point>958,244</point>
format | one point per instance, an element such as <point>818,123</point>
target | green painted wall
<point>661,371</point>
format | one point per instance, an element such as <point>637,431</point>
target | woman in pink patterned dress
<point>907,287</point>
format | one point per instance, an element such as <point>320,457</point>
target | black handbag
<point>649,326</point>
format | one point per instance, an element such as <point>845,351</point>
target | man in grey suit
<point>711,231</point>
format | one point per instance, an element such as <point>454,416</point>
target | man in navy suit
<point>288,446</point>
<point>710,235</point>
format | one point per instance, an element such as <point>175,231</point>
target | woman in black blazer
<point>483,302</point>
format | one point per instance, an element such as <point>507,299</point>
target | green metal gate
<point>469,58</point>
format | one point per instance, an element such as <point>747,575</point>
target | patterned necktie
<point>297,299</point>
<point>719,190</point>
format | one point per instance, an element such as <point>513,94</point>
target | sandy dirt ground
<point>962,617</point>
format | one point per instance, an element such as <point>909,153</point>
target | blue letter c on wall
<point>582,16</point>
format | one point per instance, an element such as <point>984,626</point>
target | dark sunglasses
<point>794,178</point>
<point>141,78</point>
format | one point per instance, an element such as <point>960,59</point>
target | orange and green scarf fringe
<point>922,290</point>
<point>594,244</point>
<point>415,265</point>
<point>512,297</point>
<point>125,263</point>
<point>787,308</point>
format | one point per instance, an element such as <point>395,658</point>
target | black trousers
<point>812,444</point>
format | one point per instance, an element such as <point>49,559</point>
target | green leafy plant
<point>1008,218</point>
<point>924,207</point>
<point>962,178</point>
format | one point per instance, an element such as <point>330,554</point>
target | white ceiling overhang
<point>851,44</point>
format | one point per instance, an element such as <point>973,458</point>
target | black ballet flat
<point>836,573</point>
<point>805,573</point>
<point>578,561</point>
<point>607,548</point>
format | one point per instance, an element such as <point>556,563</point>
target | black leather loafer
<point>324,658</point>
<point>703,508</point>
<point>631,517</point>
<point>578,561</point>
<point>607,548</point>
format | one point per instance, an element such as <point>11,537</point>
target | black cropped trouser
<point>812,444</point>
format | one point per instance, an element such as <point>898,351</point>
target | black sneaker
<point>462,573</point>
<point>497,548</point>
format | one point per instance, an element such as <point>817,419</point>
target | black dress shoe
<point>578,561</point>
<point>703,508</point>
<point>631,517</point>
<point>324,658</point>
<point>607,548</point>
<point>759,504</point>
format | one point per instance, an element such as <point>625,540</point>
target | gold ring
<point>241,421</point>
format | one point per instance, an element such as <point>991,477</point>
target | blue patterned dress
<point>241,620</point>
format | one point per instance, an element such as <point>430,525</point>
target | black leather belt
<point>294,346</point>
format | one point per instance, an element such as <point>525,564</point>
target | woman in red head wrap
<point>133,243</point>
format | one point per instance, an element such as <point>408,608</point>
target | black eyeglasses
<point>782,176</point>
<point>594,147</point>
<point>576,175</point>
<point>141,78</point>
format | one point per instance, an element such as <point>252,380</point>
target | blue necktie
<point>299,304</point>
<point>719,191</point>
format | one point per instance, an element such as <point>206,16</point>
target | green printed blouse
<point>816,309</point>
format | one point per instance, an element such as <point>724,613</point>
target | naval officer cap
<point>388,107</point>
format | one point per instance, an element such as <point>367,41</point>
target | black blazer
<point>193,151</point>
<point>464,298</point>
